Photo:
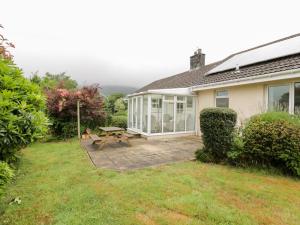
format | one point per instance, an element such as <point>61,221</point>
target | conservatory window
<point>168,117</point>
<point>130,113</point>
<point>156,114</point>
<point>134,113</point>
<point>145,113</point>
<point>190,114</point>
<point>297,98</point>
<point>222,99</point>
<point>180,115</point>
<point>139,107</point>
<point>278,98</point>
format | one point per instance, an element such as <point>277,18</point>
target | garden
<point>245,174</point>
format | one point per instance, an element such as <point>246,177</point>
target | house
<point>266,77</point>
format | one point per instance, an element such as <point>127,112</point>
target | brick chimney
<point>197,60</point>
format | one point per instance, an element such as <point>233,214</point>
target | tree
<point>51,81</point>
<point>22,118</point>
<point>62,109</point>
<point>120,105</point>
<point>22,105</point>
<point>110,102</point>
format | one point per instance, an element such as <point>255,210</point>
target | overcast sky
<point>135,42</point>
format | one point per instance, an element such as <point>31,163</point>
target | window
<point>222,99</point>
<point>180,98</point>
<point>297,98</point>
<point>278,98</point>
<point>156,114</point>
<point>139,108</point>
<point>168,114</point>
<point>145,113</point>
<point>180,116</point>
<point>130,113</point>
<point>134,113</point>
<point>190,114</point>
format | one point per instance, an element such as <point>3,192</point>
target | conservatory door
<point>137,113</point>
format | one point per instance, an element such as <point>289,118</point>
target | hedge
<point>217,127</point>
<point>272,140</point>
<point>119,121</point>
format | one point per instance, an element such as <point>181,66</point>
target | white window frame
<point>291,95</point>
<point>149,110</point>
<point>220,97</point>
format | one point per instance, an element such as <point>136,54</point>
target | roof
<point>201,75</point>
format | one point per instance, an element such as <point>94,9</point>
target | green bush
<point>6,173</point>
<point>217,127</point>
<point>22,105</point>
<point>119,121</point>
<point>272,140</point>
<point>121,113</point>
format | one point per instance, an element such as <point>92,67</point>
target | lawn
<point>58,184</point>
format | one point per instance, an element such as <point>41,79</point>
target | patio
<point>143,153</point>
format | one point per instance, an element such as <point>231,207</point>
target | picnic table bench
<point>95,138</point>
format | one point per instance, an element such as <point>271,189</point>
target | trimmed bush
<point>217,126</point>
<point>119,121</point>
<point>272,140</point>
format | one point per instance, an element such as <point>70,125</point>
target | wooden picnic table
<point>110,130</point>
<point>111,135</point>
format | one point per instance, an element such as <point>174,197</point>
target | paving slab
<point>142,153</point>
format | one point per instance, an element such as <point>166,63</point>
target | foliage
<point>6,173</point>
<point>52,81</point>
<point>235,155</point>
<point>110,102</point>
<point>119,121</point>
<point>179,193</point>
<point>4,45</point>
<point>120,105</point>
<point>116,110</point>
<point>272,140</point>
<point>217,127</point>
<point>22,119</point>
<point>62,109</point>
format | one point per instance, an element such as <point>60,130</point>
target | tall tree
<point>51,81</point>
<point>22,118</point>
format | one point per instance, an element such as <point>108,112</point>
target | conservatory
<point>162,112</point>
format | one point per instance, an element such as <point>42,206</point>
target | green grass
<point>58,185</point>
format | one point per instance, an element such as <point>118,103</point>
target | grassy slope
<point>58,185</point>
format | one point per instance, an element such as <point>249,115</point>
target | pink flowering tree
<point>62,109</point>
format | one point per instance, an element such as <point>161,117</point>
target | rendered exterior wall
<point>246,100</point>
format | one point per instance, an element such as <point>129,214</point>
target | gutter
<point>167,91</point>
<point>289,74</point>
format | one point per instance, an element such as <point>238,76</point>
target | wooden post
<point>78,119</point>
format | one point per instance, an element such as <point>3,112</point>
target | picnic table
<point>110,135</point>
<point>112,130</point>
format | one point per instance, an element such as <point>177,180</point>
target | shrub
<point>273,140</point>
<point>217,127</point>
<point>22,105</point>
<point>119,121</point>
<point>121,113</point>
<point>6,173</point>
<point>62,108</point>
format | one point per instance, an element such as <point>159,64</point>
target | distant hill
<point>110,89</point>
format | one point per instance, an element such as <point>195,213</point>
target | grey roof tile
<point>199,77</point>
